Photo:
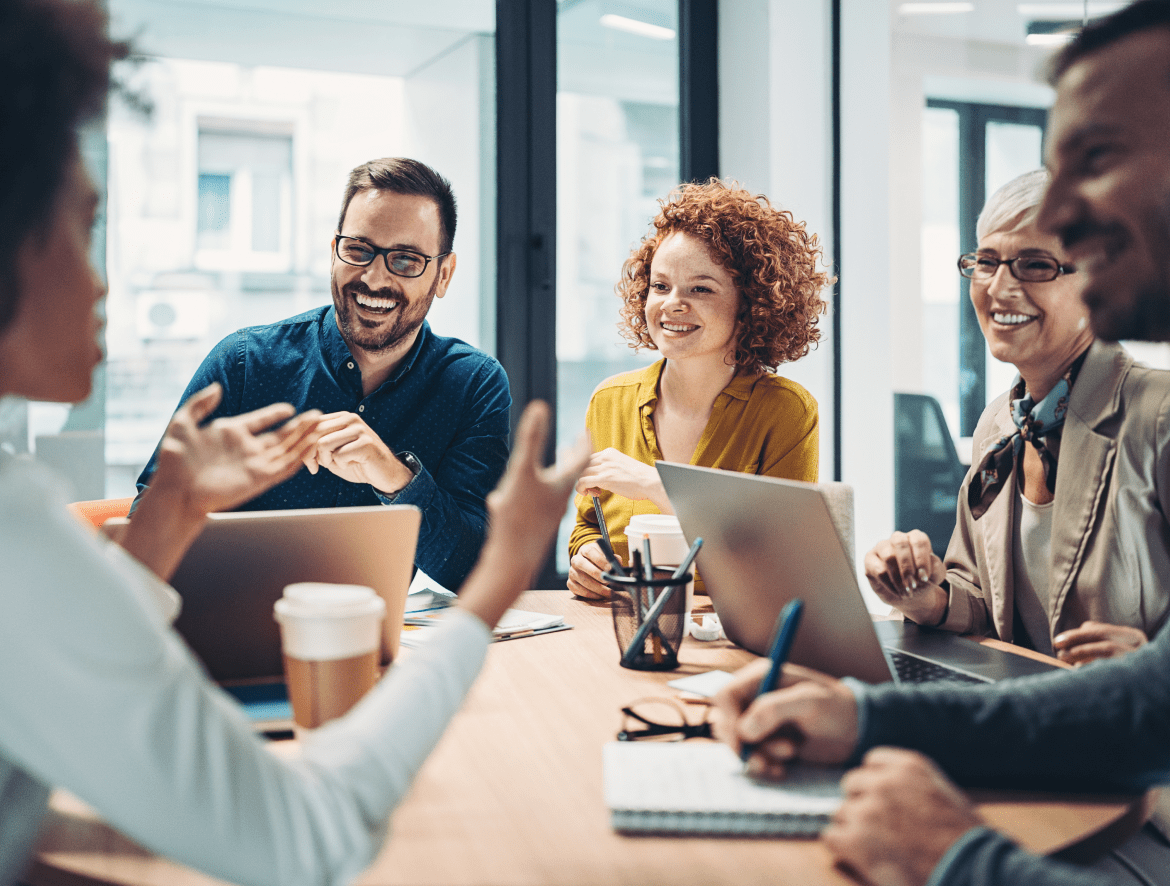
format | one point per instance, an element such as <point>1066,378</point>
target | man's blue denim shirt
<point>448,404</point>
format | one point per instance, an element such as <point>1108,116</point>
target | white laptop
<point>239,565</point>
<point>766,541</point>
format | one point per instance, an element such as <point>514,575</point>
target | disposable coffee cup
<point>331,636</point>
<point>668,547</point>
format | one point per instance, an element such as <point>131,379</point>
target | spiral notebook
<point>690,787</point>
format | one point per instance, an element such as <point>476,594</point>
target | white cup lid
<point>654,524</point>
<point>320,622</point>
<point>323,600</point>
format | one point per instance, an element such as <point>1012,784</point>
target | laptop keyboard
<point>911,669</point>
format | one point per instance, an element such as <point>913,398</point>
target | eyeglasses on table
<point>661,719</point>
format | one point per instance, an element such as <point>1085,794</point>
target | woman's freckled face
<point>693,302</point>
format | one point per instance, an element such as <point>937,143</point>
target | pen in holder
<point>648,617</point>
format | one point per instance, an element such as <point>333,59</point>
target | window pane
<point>941,284</point>
<point>224,199</point>
<point>214,208</point>
<point>1012,149</point>
<point>617,154</point>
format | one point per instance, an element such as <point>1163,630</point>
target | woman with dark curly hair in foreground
<point>100,696</point>
<point>726,287</point>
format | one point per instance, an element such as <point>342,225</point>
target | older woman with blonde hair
<point>726,287</point>
<point>1071,562</point>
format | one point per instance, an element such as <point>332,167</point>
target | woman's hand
<point>224,463</point>
<point>616,472</point>
<point>1094,639</point>
<point>213,466</point>
<point>904,572</point>
<point>525,510</point>
<point>585,572</point>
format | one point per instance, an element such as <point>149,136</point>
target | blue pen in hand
<point>786,624</point>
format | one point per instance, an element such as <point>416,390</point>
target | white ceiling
<point>996,21</point>
<point>395,38</point>
<point>376,37</point>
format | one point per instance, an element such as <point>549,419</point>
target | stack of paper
<point>425,609</point>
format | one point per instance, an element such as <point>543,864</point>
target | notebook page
<point>699,787</point>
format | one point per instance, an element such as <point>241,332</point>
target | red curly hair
<point>769,254</point>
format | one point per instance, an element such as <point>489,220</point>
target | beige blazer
<point>1110,535</point>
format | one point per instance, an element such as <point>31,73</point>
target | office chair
<point>927,469</point>
<point>839,500</point>
<point>100,510</point>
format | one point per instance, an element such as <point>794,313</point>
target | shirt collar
<point>740,386</point>
<point>338,353</point>
<point>424,336</point>
<point>648,387</point>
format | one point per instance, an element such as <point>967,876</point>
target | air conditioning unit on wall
<point>172,314</point>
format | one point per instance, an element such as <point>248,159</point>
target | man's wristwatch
<point>411,461</point>
<point>412,464</point>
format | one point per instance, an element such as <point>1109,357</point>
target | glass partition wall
<point>224,159</point>
<point>617,156</point>
<point>223,195</point>
<point>225,176</point>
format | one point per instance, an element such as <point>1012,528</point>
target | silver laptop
<point>239,565</point>
<point>766,541</point>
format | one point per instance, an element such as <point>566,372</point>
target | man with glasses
<point>1103,727</point>
<point>410,417</point>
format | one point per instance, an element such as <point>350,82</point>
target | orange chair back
<point>100,510</point>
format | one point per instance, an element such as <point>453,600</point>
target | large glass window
<point>223,196</point>
<point>617,155</point>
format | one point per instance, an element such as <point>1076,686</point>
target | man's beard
<point>359,333</point>
<point>1144,315</point>
<point>1145,318</point>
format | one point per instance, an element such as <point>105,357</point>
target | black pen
<point>786,624</point>
<point>606,544</point>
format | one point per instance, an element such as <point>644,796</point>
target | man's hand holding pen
<point>900,813</point>
<point>812,717</point>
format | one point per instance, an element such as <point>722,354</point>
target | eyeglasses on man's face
<point>661,719</point>
<point>399,262</point>
<point>1025,268</point>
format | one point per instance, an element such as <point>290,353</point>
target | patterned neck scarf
<point>1034,421</point>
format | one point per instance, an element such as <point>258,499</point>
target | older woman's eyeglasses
<point>1025,268</point>
<point>399,262</point>
<point>661,719</point>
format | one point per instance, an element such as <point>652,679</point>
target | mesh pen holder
<point>631,599</point>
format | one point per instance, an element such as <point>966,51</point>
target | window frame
<point>526,91</point>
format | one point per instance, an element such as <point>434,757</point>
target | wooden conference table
<point>512,796</point>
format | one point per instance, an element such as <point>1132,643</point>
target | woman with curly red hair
<point>726,287</point>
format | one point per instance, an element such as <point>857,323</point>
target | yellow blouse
<point>761,424</point>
